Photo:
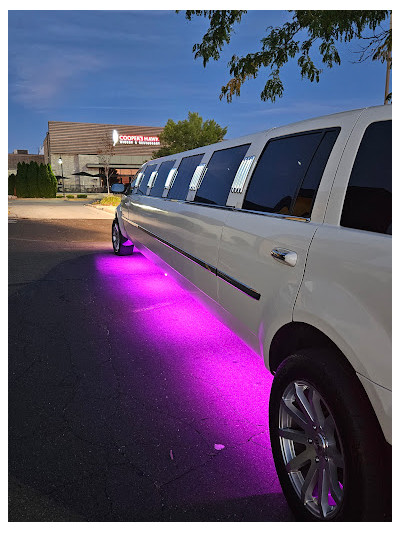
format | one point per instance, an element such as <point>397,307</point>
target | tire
<point>118,241</point>
<point>332,460</point>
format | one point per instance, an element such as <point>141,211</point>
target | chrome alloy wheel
<point>116,239</point>
<point>311,449</point>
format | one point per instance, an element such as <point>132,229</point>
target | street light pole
<point>60,162</point>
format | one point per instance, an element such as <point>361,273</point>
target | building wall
<point>80,145</point>
<point>127,175</point>
<point>89,138</point>
<point>76,163</point>
<point>14,159</point>
<point>73,163</point>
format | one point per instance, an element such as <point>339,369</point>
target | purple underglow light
<point>331,501</point>
<point>212,380</point>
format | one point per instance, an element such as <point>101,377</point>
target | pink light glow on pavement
<point>208,378</point>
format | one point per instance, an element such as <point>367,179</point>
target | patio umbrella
<point>82,174</point>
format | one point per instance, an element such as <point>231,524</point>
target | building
<point>22,156</point>
<point>88,150</point>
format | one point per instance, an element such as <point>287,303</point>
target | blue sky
<point>137,67</point>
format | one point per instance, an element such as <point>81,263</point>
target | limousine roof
<point>302,125</point>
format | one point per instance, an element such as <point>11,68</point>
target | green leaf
<point>310,36</point>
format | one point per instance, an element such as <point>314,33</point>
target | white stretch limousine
<point>286,236</point>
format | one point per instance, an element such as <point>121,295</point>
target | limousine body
<point>286,236</point>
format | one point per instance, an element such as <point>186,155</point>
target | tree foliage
<point>20,180</point>
<point>106,153</point>
<point>307,32</point>
<point>189,134</point>
<point>34,181</point>
<point>11,184</point>
<point>42,181</point>
<point>51,188</point>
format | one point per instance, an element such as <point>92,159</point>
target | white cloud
<point>38,81</point>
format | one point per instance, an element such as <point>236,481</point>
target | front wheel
<point>328,448</point>
<point>118,241</point>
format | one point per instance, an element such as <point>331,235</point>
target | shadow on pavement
<point>128,402</point>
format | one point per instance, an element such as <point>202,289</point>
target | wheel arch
<point>119,218</point>
<point>298,336</point>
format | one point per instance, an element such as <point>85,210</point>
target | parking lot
<point>128,401</point>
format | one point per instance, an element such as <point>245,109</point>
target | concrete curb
<point>108,208</point>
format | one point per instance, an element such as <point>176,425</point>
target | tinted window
<point>180,186</point>
<point>158,187</point>
<point>280,172</point>
<point>308,189</point>
<point>368,202</point>
<point>220,174</point>
<point>145,178</point>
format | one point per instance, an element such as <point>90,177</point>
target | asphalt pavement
<point>58,208</point>
<point>128,401</point>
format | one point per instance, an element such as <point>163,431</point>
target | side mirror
<point>117,188</point>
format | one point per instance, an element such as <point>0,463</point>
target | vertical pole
<point>62,177</point>
<point>388,62</point>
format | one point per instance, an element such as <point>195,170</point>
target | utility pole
<point>388,67</point>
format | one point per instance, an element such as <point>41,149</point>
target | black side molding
<point>244,288</point>
<point>241,286</point>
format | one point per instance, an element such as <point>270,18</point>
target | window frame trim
<point>361,138</point>
<point>293,202</point>
<point>177,173</point>
<point>248,144</point>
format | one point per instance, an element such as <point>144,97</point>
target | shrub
<point>110,200</point>
<point>33,180</point>
<point>81,195</point>
<point>51,182</point>
<point>11,184</point>
<point>20,181</point>
<point>42,181</point>
<point>69,196</point>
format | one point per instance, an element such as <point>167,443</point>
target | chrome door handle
<point>285,256</point>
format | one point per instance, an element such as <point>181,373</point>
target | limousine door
<point>260,267</point>
<point>167,229</point>
<point>264,244</point>
<point>139,186</point>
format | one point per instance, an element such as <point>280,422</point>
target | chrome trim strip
<point>197,177</point>
<point>238,209</point>
<point>274,215</point>
<point>242,173</point>
<point>241,286</point>
<point>152,178</point>
<point>138,179</point>
<point>230,208</point>
<point>170,178</point>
